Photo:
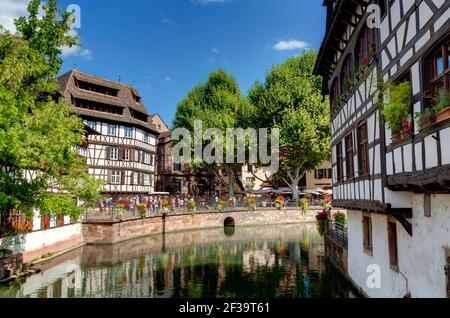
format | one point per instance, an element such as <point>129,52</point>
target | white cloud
<point>215,51</point>
<point>169,21</point>
<point>168,78</point>
<point>290,45</point>
<point>11,10</point>
<point>208,2</point>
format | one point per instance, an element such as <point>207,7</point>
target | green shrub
<point>396,111</point>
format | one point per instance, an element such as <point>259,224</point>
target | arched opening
<point>229,222</point>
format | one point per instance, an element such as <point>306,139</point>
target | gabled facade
<point>395,186</point>
<point>122,151</point>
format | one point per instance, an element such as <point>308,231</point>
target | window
<point>127,155</point>
<point>146,158</point>
<point>340,161</point>
<point>96,106</point>
<point>349,153</point>
<point>113,154</point>
<point>363,150</point>
<point>138,115</point>
<point>91,124</point>
<point>112,130</point>
<point>128,132</point>
<point>115,177</point>
<point>146,137</point>
<point>134,178</point>
<point>96,88</point>
<point>45,222</point>
<point>438,66</point>
<point>250,181</point>
<point>365,47</point>
<point>147,179</point>
<point>334,92</point>
<point>60,220</point>
<point>177,167</point>
<point>346,74</point>
<point>393,248</point>
<point>367,234</point>
<point>382,5</point>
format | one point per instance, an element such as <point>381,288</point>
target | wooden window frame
<point>393,244</point>
<point>339,162</point>
<point>363,150</point>
<point>362,48</point>
<point>367,234</point>
<point>434,80</point>
<point>349,156</point>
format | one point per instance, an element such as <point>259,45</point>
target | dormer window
<point>136,98</point>
<point>96,88</point>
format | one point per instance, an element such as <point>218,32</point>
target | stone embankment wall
<point>114,232</point>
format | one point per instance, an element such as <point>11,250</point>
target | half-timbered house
<point>122,150</point>
<point>396,186</point>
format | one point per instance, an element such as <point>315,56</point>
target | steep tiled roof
<point>128,98</point>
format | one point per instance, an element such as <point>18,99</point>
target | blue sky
<point>165,47</point>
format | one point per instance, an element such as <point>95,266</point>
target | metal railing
<point>112,214</point>
<point>338,233</point>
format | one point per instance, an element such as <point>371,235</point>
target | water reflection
<point>272,262</point>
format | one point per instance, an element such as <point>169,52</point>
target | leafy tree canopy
<point>291,100</point>
<point>37,132</point>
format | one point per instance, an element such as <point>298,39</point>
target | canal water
<point>281,261</point>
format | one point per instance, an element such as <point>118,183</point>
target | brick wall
<point>111,233</point>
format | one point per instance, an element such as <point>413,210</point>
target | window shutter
<point>108,176</point>
<point>122,177</point>
<point>121,154</point>
<point>108,153</point>
<point>142,179</point>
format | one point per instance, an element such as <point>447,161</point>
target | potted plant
<point>191,206</point>
<point>252,203</point>
<point>142,209</point>
<point>279,202</point>
<point>437,113</point>
<point>165,205</point>
<point>119,211</point>
<point>396,110</point>
<point>340,218</point>
<point>220,205</point>
<point>322,222</point>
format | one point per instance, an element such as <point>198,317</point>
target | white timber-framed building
<point>396,190</point>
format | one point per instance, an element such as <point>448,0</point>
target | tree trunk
<point>295,192</point>
<point>230,183</point>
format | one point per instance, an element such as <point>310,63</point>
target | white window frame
<point>130,130</point>
<point>91,124</point>
<point>127,154</point>
<point>114,154</point>
<point>147,180</point>
<point>116,177</point>
<point>112,130</point>
<point>146,158</point>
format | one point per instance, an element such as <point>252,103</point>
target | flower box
<point>404,132</point>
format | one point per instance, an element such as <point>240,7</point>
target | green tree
<point>291,100</point>
<point>218,104</point>
<point>38,135</point>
